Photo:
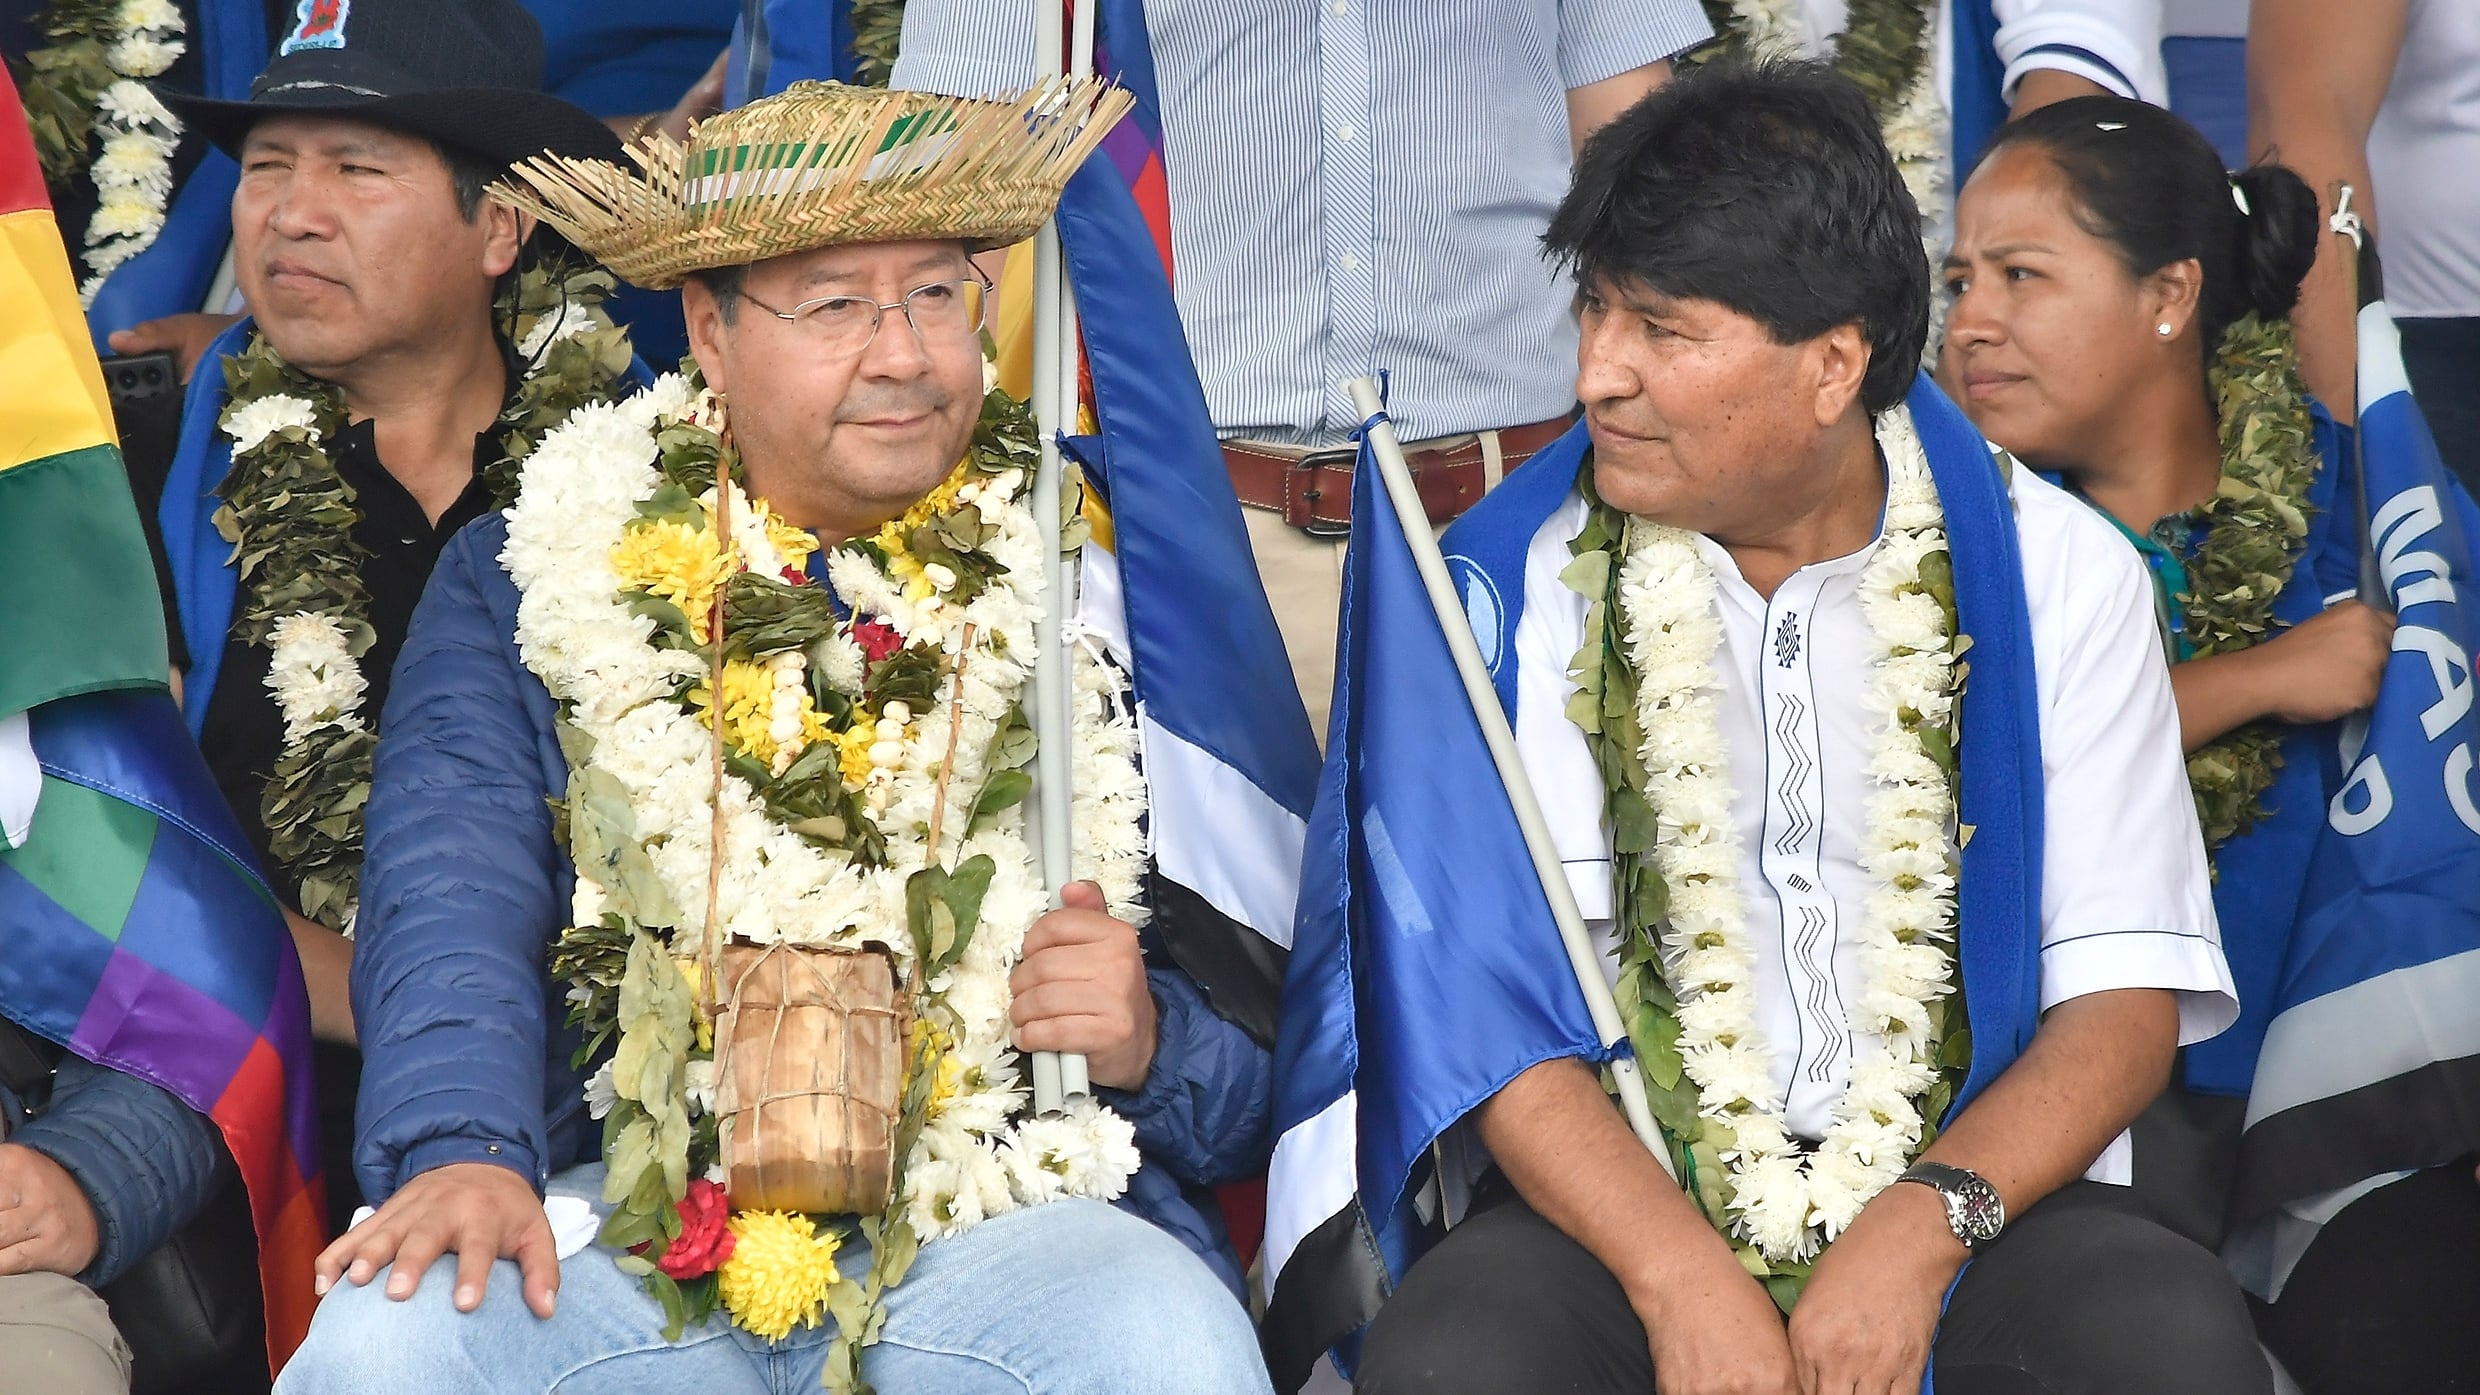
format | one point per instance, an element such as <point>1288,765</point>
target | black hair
<point>724,283</point>
<point>1764,187</point>
<point>2150,185</point>
<point>469,175</point>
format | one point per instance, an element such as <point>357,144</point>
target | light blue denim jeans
<point>1072,1298</point>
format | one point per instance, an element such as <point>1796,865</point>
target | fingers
<point>473,1270</point>
<point>538,1266</point>
<point>1082,896</point>
<point>1084,1034</point>
<point>422,1245</point>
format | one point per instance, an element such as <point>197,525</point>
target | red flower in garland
<point>878,639</point>
<point>705,1241</point>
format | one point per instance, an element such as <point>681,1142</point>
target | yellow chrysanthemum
<point>794,544</point>
<point>779,1272</point>
<point>748,707</point>
<point>694,970</point>
<point>853,752</point>
<point>675,561</point>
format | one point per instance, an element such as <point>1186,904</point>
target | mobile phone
<point>146,393</point>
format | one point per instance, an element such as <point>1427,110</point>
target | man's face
<point>1699,419</point>
<point>348,242</point>
<point>850,438</point>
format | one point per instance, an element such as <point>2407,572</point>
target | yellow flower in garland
<point>794,545</point>
<point>931,1044</point>
<point>890,536</point>
<point>778,1274</point>
<point>748,707</point>
<point>853,752</point>
<point>675,561</point>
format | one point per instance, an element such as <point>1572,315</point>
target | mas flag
<point>2371,1063</point>
<point>84,617</point>
<point>1426,970</point>
<point>1230,764</point>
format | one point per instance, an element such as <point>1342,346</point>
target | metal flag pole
<point>1056,1076</point>
<point>1598,999</point>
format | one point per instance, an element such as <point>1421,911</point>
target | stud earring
<point>2164,330</point>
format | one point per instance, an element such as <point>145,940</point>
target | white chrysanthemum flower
<point>142,15</point>
<point>253,422</point>
<point>567,322</point>
<point>129,103</point>
<point>601,1093</point>
<point>312,673</point>
<point>139,56</point>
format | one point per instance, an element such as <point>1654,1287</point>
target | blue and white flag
<point>1230,764</point>
<point>2370,1065</point>
<point>1426,970</point>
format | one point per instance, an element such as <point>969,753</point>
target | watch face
<point>1980,1211</point>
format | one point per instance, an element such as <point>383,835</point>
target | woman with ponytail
<point>2119,320</point>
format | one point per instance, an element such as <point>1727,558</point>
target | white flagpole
<point>1581,959</point>
<point>1056,1076</point>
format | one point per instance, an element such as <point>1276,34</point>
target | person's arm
<point>1613,52</point>
<point>2328,667</point>
<point>327,972</point>
<point>2055,49</point>
<point>2130,962</point>
<point>1205,1113</point>
<point>1563,1145</point>
<point>1591,107</point>
<point>1869,1313</point>
<point>459,899</point>
<point>143,1165</point>
<point>2316,74</point>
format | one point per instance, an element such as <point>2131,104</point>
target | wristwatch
<point>1974,1210</point>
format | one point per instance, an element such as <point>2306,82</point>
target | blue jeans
<point>1074,1297</point>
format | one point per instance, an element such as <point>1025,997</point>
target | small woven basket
<point>809,1053</point>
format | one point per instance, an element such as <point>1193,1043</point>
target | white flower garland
<point>133,172</point>
<point>1787,1202</point>
<point>974,1158</point>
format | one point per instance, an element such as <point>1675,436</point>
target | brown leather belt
<point>1312,488</point>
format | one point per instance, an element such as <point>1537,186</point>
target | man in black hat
<point>406,343</point>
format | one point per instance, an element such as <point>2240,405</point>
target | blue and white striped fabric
<point>2371,1061</point>
<point>1230,765</point>
<point>1355,183</point>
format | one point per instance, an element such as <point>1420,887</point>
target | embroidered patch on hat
<point>317,24</point>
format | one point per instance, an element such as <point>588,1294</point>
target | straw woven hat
<point>821,164</point>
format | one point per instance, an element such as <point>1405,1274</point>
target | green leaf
<point>1004,790</point>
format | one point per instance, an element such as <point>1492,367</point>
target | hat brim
<point>501,125</point>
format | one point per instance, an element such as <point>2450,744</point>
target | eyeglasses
<point>842,326</point>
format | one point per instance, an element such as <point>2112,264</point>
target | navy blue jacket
<point>147,1162</point>
<point>465,1052</point>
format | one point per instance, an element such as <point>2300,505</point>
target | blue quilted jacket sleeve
<point>1205,1114</point>
<point>147,1162</point>
<point>462,890</point>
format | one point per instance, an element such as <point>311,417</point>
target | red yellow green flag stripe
<point>84,614</point>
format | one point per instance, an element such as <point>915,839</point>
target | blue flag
<point>1230,763</point>
<point>2370,1064</point>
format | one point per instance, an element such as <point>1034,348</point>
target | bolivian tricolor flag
<point>83,616</point>
<point>134,928</point>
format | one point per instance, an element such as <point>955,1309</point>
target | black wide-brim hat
<point>465,73</point>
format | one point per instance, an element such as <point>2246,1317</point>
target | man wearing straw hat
<point>728,720</point>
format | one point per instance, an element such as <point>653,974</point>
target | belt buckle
<point>1348,457</point>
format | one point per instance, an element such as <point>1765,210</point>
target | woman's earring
<point>2164,330</point>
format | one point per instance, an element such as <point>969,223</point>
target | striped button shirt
<point>1355,185</point>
